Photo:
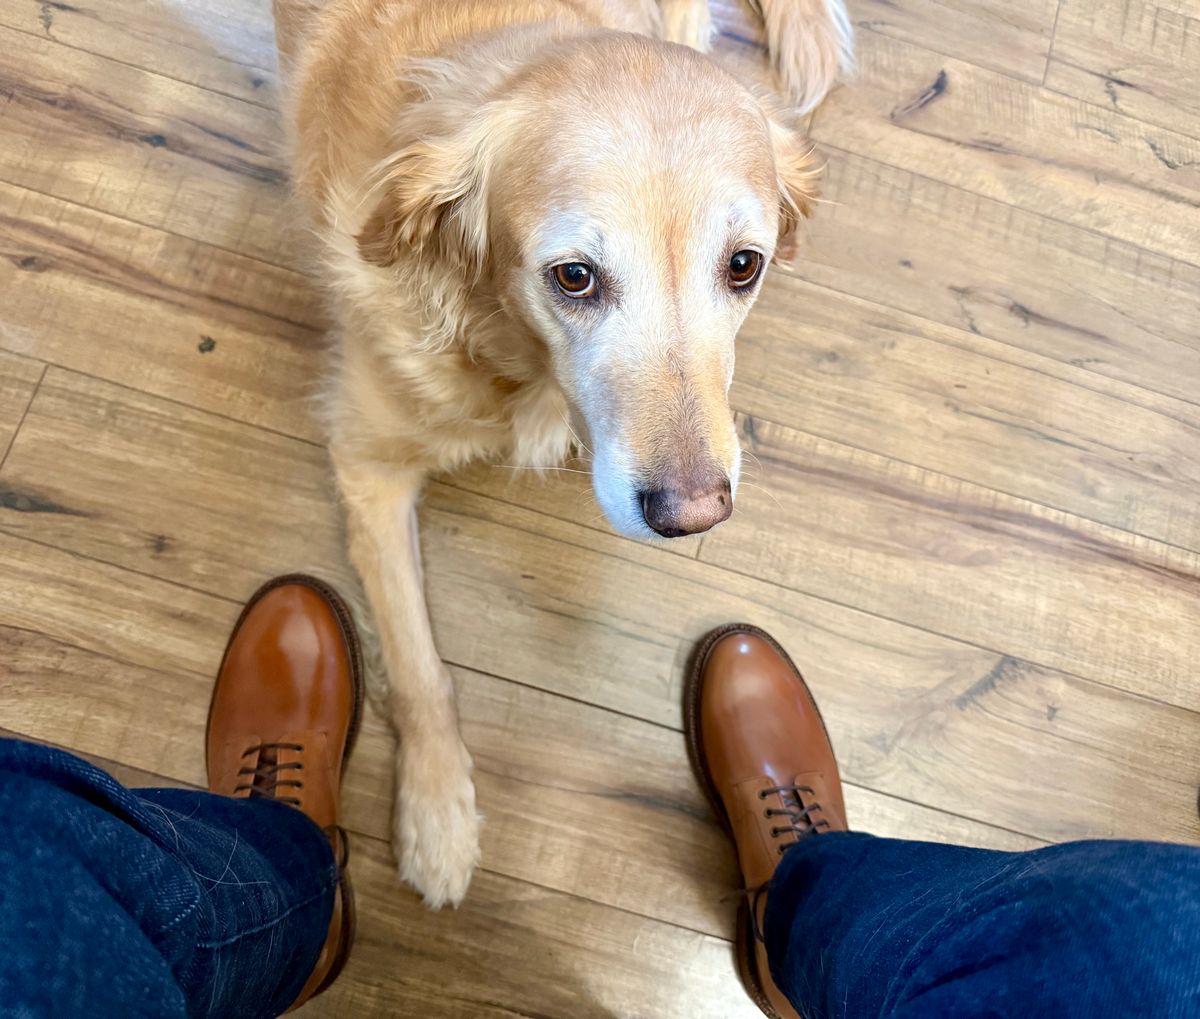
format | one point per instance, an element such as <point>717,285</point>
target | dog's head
<point>624,199</point>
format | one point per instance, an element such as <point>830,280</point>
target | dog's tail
<point>811,42</point>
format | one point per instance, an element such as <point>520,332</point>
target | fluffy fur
<point>450,153</point>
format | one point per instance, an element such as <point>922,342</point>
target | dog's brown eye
<point>744,268</point>
<point>575,279</point>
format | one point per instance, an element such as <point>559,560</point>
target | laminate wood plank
<point>110,611</point>
<point>1011,38</point>
<point>576,798</point>
<point>1015,276</point>
<point>1014,429</point>
<point>90,442</point>
<point>599,619</point>
<point>226,46</point>
<point>1017,143</point>
<point>903,704</point>
<point>945,399</point>
<point>1007,37</point>
<point>150,718</point>
<point>986,568</point>
<point>515,950</point>
<point>157,312</point>
<point>1139,57</point>
<point>152,150</point>
<point>19,377</point>
<point>92,447</point>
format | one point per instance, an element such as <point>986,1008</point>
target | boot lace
<point>799,822</point>
<point>266,780</point>
<point>799,816</point>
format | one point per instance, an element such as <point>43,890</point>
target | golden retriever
<point>537,219</point>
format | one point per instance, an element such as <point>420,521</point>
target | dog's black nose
<point>674,512</point>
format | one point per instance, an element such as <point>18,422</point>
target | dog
<point>541,224</point>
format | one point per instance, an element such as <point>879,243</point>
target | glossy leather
<point>286,679</point>
<point>285,705</point>
<point>761,732</point>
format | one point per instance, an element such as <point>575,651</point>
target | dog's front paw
<point>436,828</point>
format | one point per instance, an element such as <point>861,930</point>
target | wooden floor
<point>973,510</point>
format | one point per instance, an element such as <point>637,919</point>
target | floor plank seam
<point>1053,37</point>
<point>25,413</point>
<point>826,599</point>
<point>158,228</point>
<point>1035,214</point>
<point>1022,352</point>
<point>979,486</point>
<point>142,69</point>
<point>109,763</point>
<point>1108,109</point>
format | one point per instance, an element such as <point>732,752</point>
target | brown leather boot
<point>284,714</point>
<point>762,754</point>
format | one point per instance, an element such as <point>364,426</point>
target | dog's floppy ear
<point>430,201</point>
<point>797,173</point>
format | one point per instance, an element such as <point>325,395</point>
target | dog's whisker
<point>575,435</point>
<point>522,467</point>
<point>760,488</point>
<point>755,463</point>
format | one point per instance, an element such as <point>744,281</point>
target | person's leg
<point>840,924</point>
<point>860,927</point>
<point>178,902</point>
<point>160,902</point>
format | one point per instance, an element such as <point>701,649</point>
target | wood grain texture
<point>166,490</point>
<point>899,700</point>
<point>1139,57</point>
<point>951,121</point>
<point>577,799</point>
<point>156,151</point>
<point>902,699</point>
<point>1014,275</point>
<point>969,407</point>
<point>157,312</point>
<point>1009,37</point>
<point>19,377</point>
<point>226,46</point>
<point>515,950</point>
<point>944,555</point>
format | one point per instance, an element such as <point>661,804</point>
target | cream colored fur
<point>449,154</point>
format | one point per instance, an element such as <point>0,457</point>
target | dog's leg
<point>435,826</point>
<point>688,22</point>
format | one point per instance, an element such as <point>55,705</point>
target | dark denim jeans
<point>861,927</point>
<point>160,902</point>
<point>167,902</point>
